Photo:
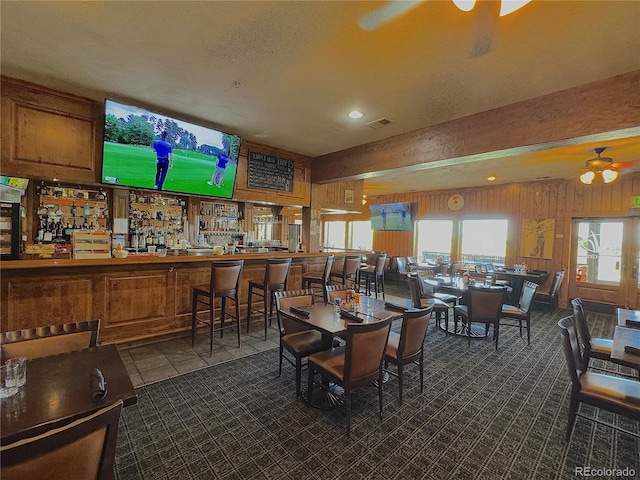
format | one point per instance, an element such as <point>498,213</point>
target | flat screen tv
<point>144,149</point>
<point>391,216</point>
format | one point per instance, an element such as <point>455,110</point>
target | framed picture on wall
<point>348,196</point>
<point>537,238</point>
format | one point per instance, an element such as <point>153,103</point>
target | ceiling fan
<point>604,166</point>
<point>485,18</point>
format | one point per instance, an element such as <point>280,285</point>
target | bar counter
<point>137,298</point>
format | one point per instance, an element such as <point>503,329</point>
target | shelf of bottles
<point>219,218</point>
<point>63,210</point>
<point>156,219</point>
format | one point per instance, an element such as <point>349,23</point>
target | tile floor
<point>153,362</point>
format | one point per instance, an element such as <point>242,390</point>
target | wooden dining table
<point>58,391</point>
<point>626,334</point>
<point>322,317</point>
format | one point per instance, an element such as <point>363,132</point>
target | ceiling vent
<point>381,122</point>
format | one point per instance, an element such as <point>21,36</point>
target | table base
<point>477,331</point>
<point>325,398</point>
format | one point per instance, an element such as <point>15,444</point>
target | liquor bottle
<point>86,211</point>
<point>73,209</point>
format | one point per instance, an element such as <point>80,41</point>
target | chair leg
<point>298,375</point>
<point>573,412</point>
<point>212,311</point>
<point>528,330</point>
<point>468,324</point>
<point>520,326</point>
<point>265,305</point>
<point>380,382</point>
<point>280,360</point>
<point>237,316</point>
<point>347,401</point>
<point>399,380</point>
<point>249,307</point>
<point>222,314</point>
<point>194,312</point>
<point>382,284</point>
<point>496,330</point>
<point>309,384</point>
<point>421,366</point>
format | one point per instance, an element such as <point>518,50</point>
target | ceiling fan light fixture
<point>587,177</point>
<point>465,5</point>
<point>609,175</point>
<point>355,114</point>
<point>510,6</point>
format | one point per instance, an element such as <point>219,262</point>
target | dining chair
<point>522,311</point>
<point>437,306</point>
<point>590,347</point>
<point>275,278</point>
<point>407,347</point>
<point>485,306</point>
<point>402,269</point>
<point>374,274</point>
<point>338,291</point>
<point>82,449</point>
<point>550,295</point>
<point>323,279</point>
<point>356,364</point>
<point>297,339</point>
<point>224,282</point>
<point>349,272</point>
<point>615,394</point>
<point>50,339</point>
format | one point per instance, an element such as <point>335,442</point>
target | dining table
<point>517,279</point>
<point>331,324</point>
<point>59,390</point>
<point>626,338</point>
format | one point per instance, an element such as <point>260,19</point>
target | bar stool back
<point>375,273</point>
<point>223,284</point>
<point>276,275</point>
<point>349,270</point>
<point>320,279</point>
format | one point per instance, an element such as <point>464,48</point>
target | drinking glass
<point>337,302</point>
<point>369,306</point>
<point>21,362</point>
<point>487,281</point>
<point>8,379</point>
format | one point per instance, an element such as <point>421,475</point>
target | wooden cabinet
<point>49,134</point>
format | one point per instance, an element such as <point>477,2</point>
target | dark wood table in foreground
<point>58,391</point>
<point>625,335</point>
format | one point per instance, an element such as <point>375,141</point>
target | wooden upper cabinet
<point>48,134</point>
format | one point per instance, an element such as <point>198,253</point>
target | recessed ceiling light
<point>491,178</point>
<point>355,114</point>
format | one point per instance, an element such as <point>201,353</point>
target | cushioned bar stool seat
<point>223,284</point>
<point>275,278</point>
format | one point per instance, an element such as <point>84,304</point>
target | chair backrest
<point>556,283</point>
<point>288,299</point>
<point>84,448</point>
<point>413,332</point>
<point>442,268</point>
<point>327,268</point>
<point>277,272</point>
<point>350,267</point>
<point>338,291</point>
<point>526,296</point>
<point>225,277</point>
<point>455,266</point>
<point>583,333</point>
<point>571,349</point>
<point>380,262</point>
<point>49,340</point>
<point>366,343</point>
<point>414,289</point>
<point>485,304</point>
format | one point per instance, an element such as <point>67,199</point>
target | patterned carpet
<point>483,415</point>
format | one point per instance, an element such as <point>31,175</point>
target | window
<point>334,233</point>
<point>434,240</point>
<point>599,252</point>
<point>360,235</point>
<point>483,241</point>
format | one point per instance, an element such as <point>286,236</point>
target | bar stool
<point>375,273</point>
<point>225,278</point>
<point>323,280</point>
<point>275,278</point>
<point>349,270</point>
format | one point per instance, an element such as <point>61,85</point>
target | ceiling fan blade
<point>486,18</point>
<point>386,13</point>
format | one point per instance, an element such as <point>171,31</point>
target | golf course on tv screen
<point>148,150</point>
<point>391,216</point>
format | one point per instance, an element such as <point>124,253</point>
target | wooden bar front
<point>135,298</point>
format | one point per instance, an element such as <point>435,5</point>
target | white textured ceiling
<point>286,73</point>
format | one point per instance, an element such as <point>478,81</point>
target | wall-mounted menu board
<point>270,172</point>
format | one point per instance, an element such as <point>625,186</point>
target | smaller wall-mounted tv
<point>144,149</point>
<point>391,217</point>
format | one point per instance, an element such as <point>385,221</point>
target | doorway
<point>605,255</point>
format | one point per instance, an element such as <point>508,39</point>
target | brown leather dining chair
<point>223,283</point>
<point>323,279</point>
<point>82,449</point>
<point>356,364</point>
<point>374,274</point>
<point>522,311</point>
<point>338,291</point>
<point>50,339</point>
<point>485,306</point>
<point>276,274</point>
<point>550,295</point>
<point>437,306</point>
<point>295,338</point>
<point>615,394</point>
<point>408,347</point>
